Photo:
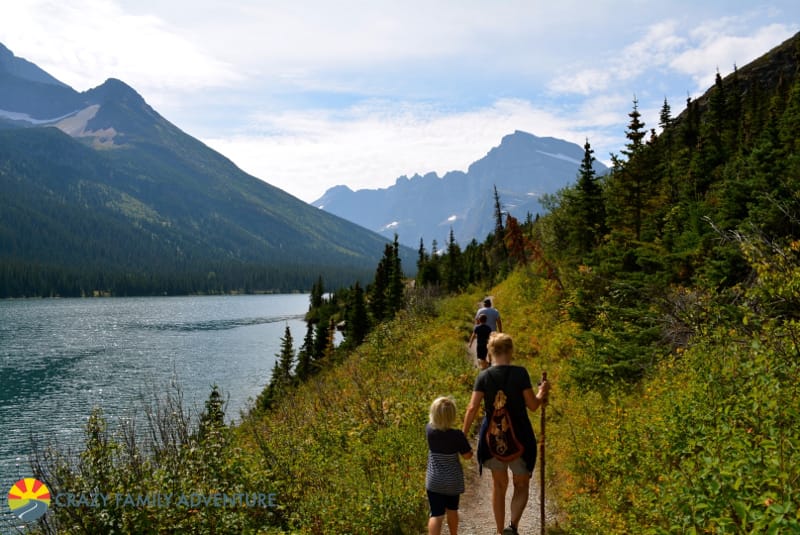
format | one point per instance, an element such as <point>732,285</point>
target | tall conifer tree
<point>589,210</point>
<point>357,325</point>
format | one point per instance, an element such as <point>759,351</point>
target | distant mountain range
<point>523,168</point>
<point>101,193</point>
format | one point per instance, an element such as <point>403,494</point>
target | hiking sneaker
<point>510,530</point>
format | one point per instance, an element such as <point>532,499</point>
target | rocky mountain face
<point>522,168</point>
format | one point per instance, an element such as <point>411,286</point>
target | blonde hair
<point>500,344</point>
<point>443,413</point>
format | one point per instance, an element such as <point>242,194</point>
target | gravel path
<point>475,508</point>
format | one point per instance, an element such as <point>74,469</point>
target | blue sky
<point>310,94</point>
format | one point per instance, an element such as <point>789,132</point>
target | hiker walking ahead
<point>481,333</point>
<point>492,316</point>
<point>444,479</point>
<point>516,395</point>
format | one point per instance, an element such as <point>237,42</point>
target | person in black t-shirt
<point>516,385</point>
<point>481,333</point>
<point>444,479</point>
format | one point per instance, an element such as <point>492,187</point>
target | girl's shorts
<point>440,502</point>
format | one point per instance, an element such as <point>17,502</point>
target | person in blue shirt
<point>492,316</point>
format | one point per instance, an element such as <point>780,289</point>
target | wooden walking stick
<point>541,462</point>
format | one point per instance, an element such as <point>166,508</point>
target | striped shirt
<point>444,474</point>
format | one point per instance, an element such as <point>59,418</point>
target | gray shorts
<point>518,466</point>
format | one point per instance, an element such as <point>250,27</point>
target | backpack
<point>500,437</point>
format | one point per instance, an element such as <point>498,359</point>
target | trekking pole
<point>541,463</point>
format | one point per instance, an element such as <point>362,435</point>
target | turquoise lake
<point>59,358</point>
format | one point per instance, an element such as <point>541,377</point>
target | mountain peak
<point>522,167</point>
<point>521,138</point>
<point>519,134</point>
<point>114,89</point>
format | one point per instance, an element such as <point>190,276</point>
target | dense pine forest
<point>663,299</point>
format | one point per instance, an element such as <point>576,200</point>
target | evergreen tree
<point>498,216</point>
<point>386,292</point>
<point>629,185</point>
<point>320,342</point>
<point>286,358</point>
<point>588,208</point>
<point>357,322</point>
<point>422,256</point>
<point>212,420</point>
<point>711,147</point>
<point>473,258</point>
<point>317,293</point>
<point>453,268</point>
<point>396,288</point>
<point>282,377</point>
<point>427,267</point>
<point>214,437</point>
<point>665,119</point>
<point>635,132</point>
<point>498,247</point>
<point>379,287</point>
<point>305,355</point>
<point>331,339</point>
<point>667,164</point>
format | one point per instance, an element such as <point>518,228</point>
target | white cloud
<point>582,82</point>
<point>372,144</point>
<point>670,46</point>
<point>716,48</point>
<point>83,42</point>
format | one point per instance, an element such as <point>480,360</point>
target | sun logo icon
<point>29,499</point>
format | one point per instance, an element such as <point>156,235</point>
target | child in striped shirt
<point>444,480</point>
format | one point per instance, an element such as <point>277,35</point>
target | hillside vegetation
<point>663,300</point>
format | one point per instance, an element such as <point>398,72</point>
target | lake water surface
<point>61,357</point>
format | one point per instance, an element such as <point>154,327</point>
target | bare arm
<point>472,410</point>
<point>467,455</point>
<point>534,402</point>
<point>499,325</point>
<point>471,339</point>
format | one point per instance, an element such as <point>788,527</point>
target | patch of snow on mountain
<point>16,116</point>
<point>560,156</point>
<point>452,218</point>
<point>392,225</point>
